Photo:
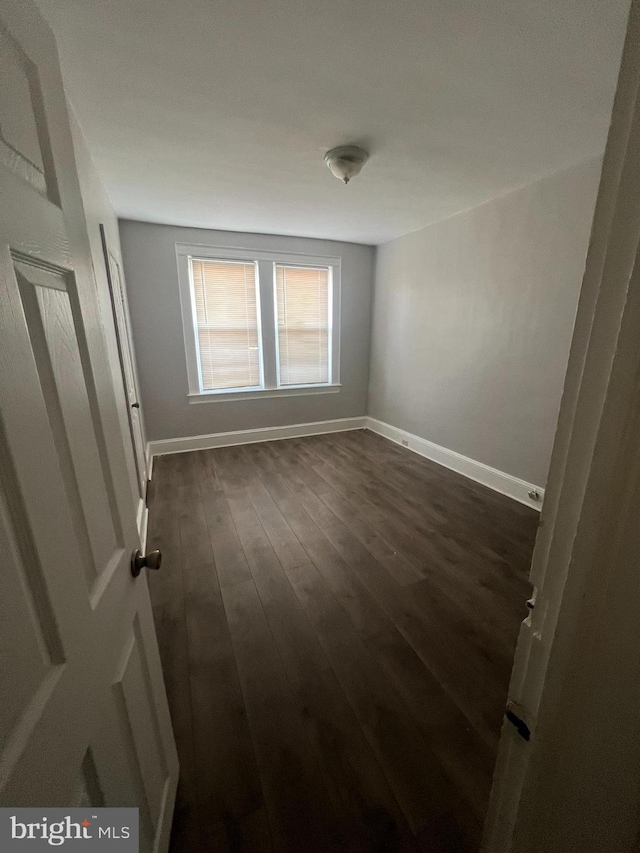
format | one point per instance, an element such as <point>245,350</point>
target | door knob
<point>152,560</point>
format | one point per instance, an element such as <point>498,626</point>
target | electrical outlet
<point>405,443</point>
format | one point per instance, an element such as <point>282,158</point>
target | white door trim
<point>574,681</point>
<point>126,358</point>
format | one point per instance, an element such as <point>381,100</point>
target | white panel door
<point>83,713</point>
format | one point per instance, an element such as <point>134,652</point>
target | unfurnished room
<point>319,418</point>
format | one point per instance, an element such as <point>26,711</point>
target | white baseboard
<point>250,436</point>
<point>506,484</point>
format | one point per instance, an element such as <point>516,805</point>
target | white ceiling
<point>217,113</point>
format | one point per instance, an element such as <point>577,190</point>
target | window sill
<point>261,393</point>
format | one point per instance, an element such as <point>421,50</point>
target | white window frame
<point>265,260</point>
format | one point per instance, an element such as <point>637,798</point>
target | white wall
<point>473,318</point>
<point>149,253</point>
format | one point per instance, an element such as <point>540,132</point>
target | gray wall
<point>473,319</point>
<point>152,280</point>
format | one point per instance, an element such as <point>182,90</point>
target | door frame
<point>124,338</point>
<point>582,558</point>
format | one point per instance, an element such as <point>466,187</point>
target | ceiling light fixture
<point>346,161</point>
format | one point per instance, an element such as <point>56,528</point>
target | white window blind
<point>302,297</point>
<point>226,323</point>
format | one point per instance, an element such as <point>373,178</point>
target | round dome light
<point>346,161</point>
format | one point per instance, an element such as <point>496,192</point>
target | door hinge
<point>521,727</point>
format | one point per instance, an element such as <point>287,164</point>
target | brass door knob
<point>152,560</point>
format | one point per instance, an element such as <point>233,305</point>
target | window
<point>226,309</point>
<point>259,323</point>
<point>302,300</point>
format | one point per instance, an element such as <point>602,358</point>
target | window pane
<point>302,296</point>
<point>226,323</point>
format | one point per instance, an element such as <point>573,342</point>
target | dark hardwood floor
<point>337,618</point>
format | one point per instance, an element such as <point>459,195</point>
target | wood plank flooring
<point>337,619</point>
